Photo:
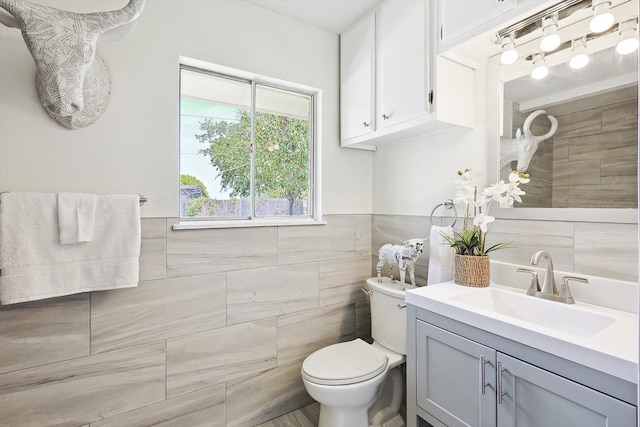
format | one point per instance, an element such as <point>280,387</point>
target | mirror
<point>580,130</point>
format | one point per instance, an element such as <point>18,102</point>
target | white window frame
<point>316,140</point>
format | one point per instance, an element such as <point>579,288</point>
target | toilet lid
<point>344,363</point>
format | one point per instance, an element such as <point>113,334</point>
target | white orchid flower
<point>504,194</point>
<point>482,220</point>
<point>466,190</point>
<point>465,195</point>
<point>515,193</point>
<point>519,177</point>
<point>495,191</point>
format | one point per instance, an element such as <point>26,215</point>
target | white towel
<point>33,263</point>
<point>441,256</point>
<point>76,217</point>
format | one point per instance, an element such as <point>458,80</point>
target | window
<point>248,147</point>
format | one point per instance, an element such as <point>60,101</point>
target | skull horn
<point>115,18</point>
<point>526,127</point>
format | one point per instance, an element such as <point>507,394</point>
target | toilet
<point>360,384</point>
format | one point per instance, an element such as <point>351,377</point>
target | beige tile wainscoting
<point>214,335</point>
<point>216,332</point>
<point>598,249</point>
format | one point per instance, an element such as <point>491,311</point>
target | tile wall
<point>592,159</point>
<point>598,249</point>
<point>214,335</point>
<point>216,332</point>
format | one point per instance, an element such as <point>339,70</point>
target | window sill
<point>199,225</point>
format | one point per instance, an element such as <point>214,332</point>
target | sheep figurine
<point>403,257</point>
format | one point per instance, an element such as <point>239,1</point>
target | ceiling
<point>332,15</point>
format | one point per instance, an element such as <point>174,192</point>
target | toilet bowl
<point>360,384</point>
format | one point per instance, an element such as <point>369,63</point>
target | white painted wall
<point>412,177</point>
<point>133,147</point>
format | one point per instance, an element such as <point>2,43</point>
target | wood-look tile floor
<point>305,417</point>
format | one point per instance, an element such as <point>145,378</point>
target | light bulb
<point>509,53</point>
<point>550,38</point>
<point>540,70</point>
<point>602,19</point>
<point>627,46</point>
<point>579,61</point>
<point>629,37</point>
<point>509,57</point>
<point>580,57</point>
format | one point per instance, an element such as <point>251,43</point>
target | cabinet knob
<point>365,124</point>
<point>385,117</point>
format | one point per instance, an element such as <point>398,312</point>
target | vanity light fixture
<point>628,37</point>
<point>540,69</point>
<point>602,19</point>
<point>580,57</point>
<point>509,53</point>
<point>550,38</point>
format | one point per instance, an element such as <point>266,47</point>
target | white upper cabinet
<point>388,75</point>
<point>403,61</point>
<point>357,47</point>
<point>460,20</point>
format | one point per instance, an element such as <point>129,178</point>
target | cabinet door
<point>357,79</point>
<point>455,378</point>
<point>461,20</point>
<point>403,57</point>
<point>533,397</point>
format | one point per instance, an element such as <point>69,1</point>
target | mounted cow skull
<point>73,83</point>
<point>523,147</point>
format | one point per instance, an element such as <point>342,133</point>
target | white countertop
<point>612,350</point>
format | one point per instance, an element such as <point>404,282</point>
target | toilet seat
<point>344,363</point>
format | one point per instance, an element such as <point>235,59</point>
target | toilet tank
<point>388,322</point>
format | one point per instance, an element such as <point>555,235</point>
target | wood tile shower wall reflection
<point>214,335</point>
<point>591,161</point>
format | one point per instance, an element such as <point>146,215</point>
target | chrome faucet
<point>549,290</point>
<point>549,284</point>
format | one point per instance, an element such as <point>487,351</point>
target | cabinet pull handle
<point>365,124</point>
<point>385,117</point>
<point>483,374</point>
<point>501,392</point>
<point>483,379</point>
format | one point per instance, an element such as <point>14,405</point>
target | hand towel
<point>76,217</point>
<point>33,263</point>
<point>441,255</point>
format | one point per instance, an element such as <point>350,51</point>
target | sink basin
<point>590,335</point>
<point>558,316</point>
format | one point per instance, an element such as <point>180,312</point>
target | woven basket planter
<point>471,270</point>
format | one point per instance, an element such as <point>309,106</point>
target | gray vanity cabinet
<point>456,380</point>
<point>533,397</point>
